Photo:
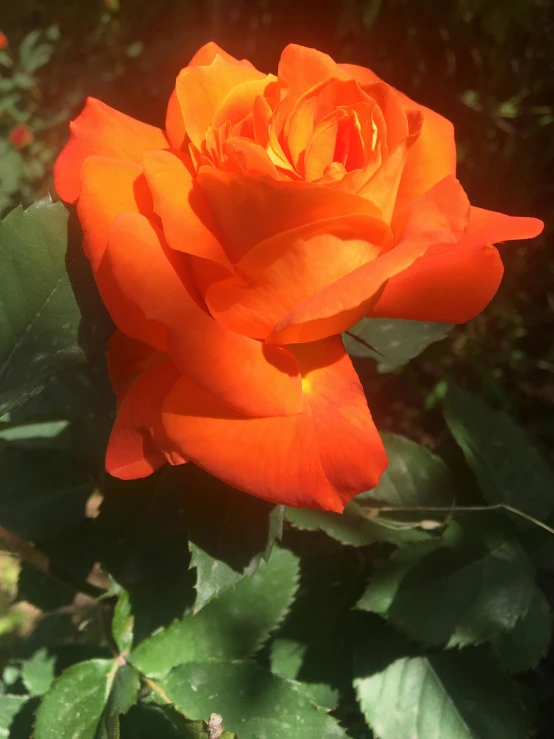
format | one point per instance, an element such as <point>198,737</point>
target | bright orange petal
<point>134,445</point>
<point>174,125</point>
<point>238,104</point>
<point>106,132</point>
<point>319,458</point>
<point>433,155</point>
<point>455,283</point>
<point>362,75</point>
<point>437,218</point>
<point>300,69</point>
<point>448,284</point>
<point>249,210</point>
<point>202,89</point>
<point>108,187</point>
<point>187,222</point>
<point>490,227</point>
<point>207,53</point>
<point>148,293</point>
<point>284,271</point>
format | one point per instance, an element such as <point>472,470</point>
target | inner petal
<point>286,270</point>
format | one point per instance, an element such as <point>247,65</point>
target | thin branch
<point>376,510</point>
<point>26,552</point>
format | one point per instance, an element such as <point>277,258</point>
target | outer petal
<point>284,271</point>
<point>490,227</point>
<point>319,458</point>
<point>455,283</point>
<point>249,210</point>
<point>433,155</point>
<point>201,91</point>
<point>147,289</point>
<point>109,187</point>
<point>133,449</point>
<point>127,358</point>
<point>207,53</point>
<point>187,222</point>
<point>437,218</point>
<point>107,132</point>
<point>174,126</point>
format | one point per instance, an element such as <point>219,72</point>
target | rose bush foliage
<point>233,248</point>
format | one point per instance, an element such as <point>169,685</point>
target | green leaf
<point>527,643</point>
<point>38,673</point>
<point>123,695</point>
<point>149,721</point>
<point>44,491</point>
<point>9,706</point>
<point>229,532</point>
<point>472,587</point>
<point>414,477</point>
<point>74,705</point>
<point>123,622</point>
<point>83,397</point>
<point>509,469</point>
<point>44,434</point>
<point>86,700</point>
<point>253,702</point>
<point>233,626</point>
<point>392,342</point>
<point>313,643</point>
<point>452,695</point>
<point>51,316</point>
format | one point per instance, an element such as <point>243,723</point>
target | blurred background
<point>487,65</point>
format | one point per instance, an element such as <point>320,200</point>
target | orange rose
<point>233,249</point>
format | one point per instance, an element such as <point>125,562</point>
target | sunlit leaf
<point>51,316</point>
<point>232,626</point>
<point>456,694</point>
<point>253,702</point>
<point>392,342</point>
<point>472,587</point>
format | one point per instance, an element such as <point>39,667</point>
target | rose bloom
<point>234,247</point>
<point>21,136</point>
<point>3,40</point>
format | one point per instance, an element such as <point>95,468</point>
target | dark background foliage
<point>487,65</point>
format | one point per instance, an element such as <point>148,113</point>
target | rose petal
<point>108,187</point>
<point>187,221</point>
<point>287,269</point>
<point>174,125</point>
<point>144,288</point>
<point>134,446</point>
<point>207,53</point>
<point>249,210</point>
<point>202,89</point>
<point>433,155</point>
<point>455,283</point>
<point>319,458</point>
<point>107,132</point>
<point>127,358</point>
<point>437,218</point>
